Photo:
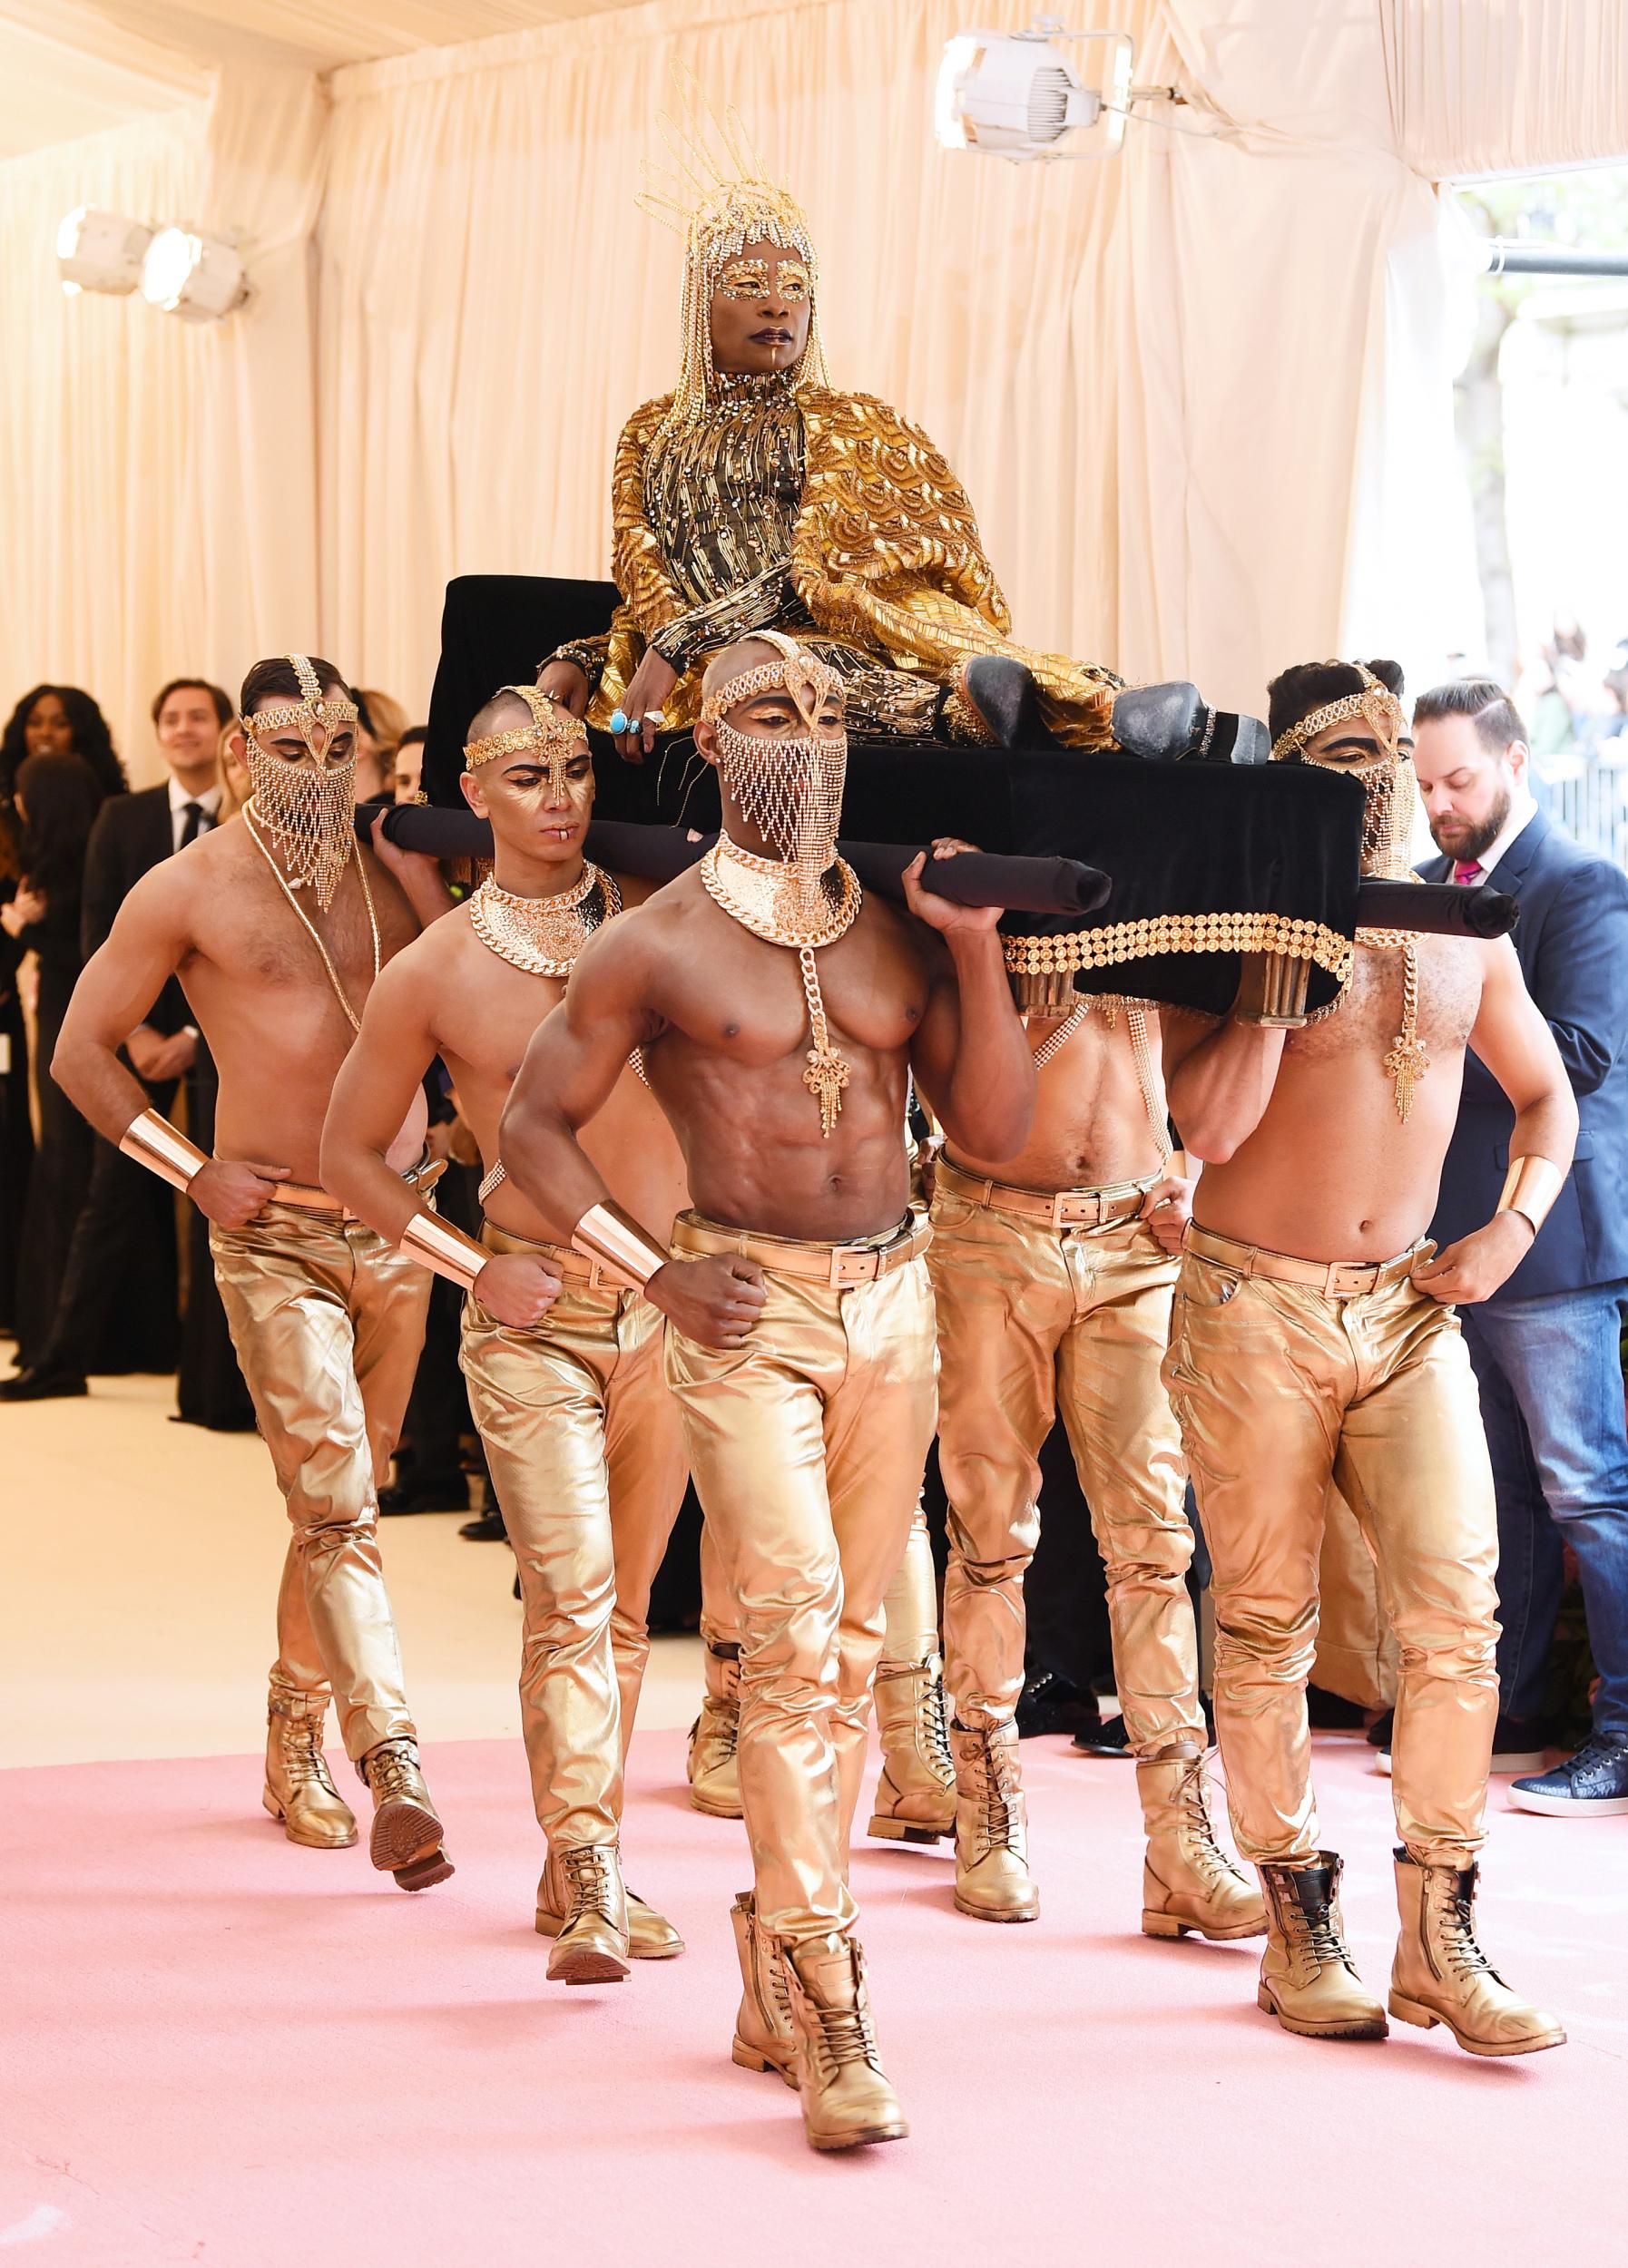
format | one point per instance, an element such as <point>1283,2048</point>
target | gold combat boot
<point>764,2040</point>
<point>1188,1881</point>
<point>846,2097</point>
<point>582,1905</point>
<point>915,1794</point>
<point>1308,1980</point>
<point>992,1860</point>
<point>406,1833</point>
<point>300,1789</point>
<point>1441,1976</point>
<point>714,1776</point>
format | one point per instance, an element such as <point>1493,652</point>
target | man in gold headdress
<point>757,494</point>
<point>564,1367</point>
<point>1313,1341</point>
<point>780,1012</point>
<point>278,924</point>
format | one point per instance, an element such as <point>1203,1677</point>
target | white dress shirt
<point>179,800</point>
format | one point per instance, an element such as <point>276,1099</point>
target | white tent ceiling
<point>72,67</point>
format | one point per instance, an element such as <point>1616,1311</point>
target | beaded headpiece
<point>557,736</point>
<point>308,810</point>
<point>1388,779</point>
<point>717,194</point>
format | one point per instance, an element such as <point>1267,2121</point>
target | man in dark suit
<point>1545,1347</point>
<point>125,1233</point>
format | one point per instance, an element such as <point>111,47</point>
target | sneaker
<point>1591,1784</point>
<point>1517,1746</point>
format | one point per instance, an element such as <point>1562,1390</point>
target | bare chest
<point>754,1002</point>
<point>486,1020</point>
<point>1372,1010</point>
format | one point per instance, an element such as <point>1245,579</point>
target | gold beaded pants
<point>1282,1389</point>
<point>327,1321</point>
<point>1032,1318</point>
<point>585,1445</point>
<point>808,1444</point>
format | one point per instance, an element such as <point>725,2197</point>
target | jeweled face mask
<point>1388,779</point>
<point>789,786</point>
<point>306,807</point>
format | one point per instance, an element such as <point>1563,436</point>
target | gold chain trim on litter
<point>1181,932</point>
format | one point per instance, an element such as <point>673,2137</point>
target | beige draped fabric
<point>1198,395</point>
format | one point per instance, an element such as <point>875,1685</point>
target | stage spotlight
<point>1015,95</point>
<point>100,251</point>
<point>198,277</point>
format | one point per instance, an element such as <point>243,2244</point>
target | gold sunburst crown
<point>717,194</point>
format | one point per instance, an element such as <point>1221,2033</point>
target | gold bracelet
<point>606,1233</point>
<point>1530,1188</point>
<point>436,1243</point>
<point>163,1150</point>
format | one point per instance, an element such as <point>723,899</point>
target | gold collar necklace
<point>767,896</point>
<point>543,936</point>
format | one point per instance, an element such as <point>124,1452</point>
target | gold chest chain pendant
<point>1408,1058</point>
<point>764,896</point>
<point>333,975</point>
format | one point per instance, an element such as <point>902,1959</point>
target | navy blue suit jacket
<point>1572,942</point>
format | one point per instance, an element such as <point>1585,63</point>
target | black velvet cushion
<point>1188,839</point>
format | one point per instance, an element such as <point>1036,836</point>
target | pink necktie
<point>1468,870</point>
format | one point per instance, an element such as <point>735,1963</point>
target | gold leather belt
<point>837,1265</point>
<point>1059,1209</point>
<point>310,1198</point>
<point>1335,1280</point>
<point>565,1258</point>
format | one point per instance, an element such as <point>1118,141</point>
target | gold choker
<point>543,936</point>
<point>769,897</point>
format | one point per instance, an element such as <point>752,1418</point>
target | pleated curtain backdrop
<point>1200,394</point>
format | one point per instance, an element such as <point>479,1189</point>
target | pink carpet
<point>223,2049</point>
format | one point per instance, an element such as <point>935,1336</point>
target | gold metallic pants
<point>585,1450</point>
<point>808,1444</point>
<point>327,1321</point>
<point>1280,1389</point>
<point>1030,1317</point>
<point>909,1610</point>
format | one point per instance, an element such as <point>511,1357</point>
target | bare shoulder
<point>445,949</point>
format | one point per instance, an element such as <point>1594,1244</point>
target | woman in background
<point>55,798</point>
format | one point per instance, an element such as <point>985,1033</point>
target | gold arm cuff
<point>163,1150</point>
<point>608,1234</point>
<point>436,1243</point>
<point>1531,1188</point>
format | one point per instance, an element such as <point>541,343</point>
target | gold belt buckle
<point>848,1267</point>
<point>1351,1278</point>
<point>1071,1210</point>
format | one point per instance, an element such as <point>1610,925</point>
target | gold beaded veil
<point>717,193</point>
<point>306,810</point>
<point>1388,779</point>
<point>790,789</point>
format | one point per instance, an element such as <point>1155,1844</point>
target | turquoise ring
<point>620,721</point>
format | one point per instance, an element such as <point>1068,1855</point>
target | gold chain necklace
<point>333,975</point>
<point>1408,1058</point>
<point>1136,1025</point>
<point>763,896</point>
<point>1065,1030</point>
<point>543,935</point>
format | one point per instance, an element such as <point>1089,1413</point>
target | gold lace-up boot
<point>992,1857</point>
<point>406,1833</point>
<point>714,1773</point>
<point>582,1905</point>
<point>650,1935</point>
<point>300,1789</point>
<point>1308,1980</point>
<point>764,2040</point>
<point>846,2097</point>
<point>1441,1976</point>
<point>1188,1881</point>
<point>915,1794</point>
